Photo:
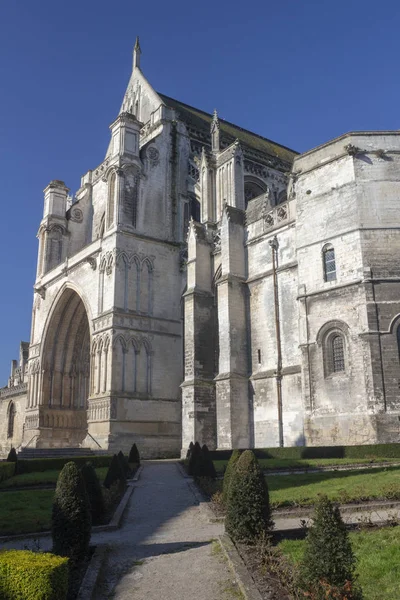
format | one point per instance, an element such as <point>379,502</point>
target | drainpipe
<point>278,373</point>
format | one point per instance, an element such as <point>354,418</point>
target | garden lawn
<point>25,511</point>
<point>308,463</point>
<point>378,554</point>
<point>41,478</point>
<point>339,486</point>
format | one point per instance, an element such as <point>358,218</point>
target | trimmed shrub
<point>12,456</point>
<point>124,463</point>
<point>31,465</point>
<point>94,492</point>
<point>7,470</point>
<point>230,467</point>
<point>206,465</point>
<point>134,456</point>
<point>189,451</point>
<point>71,519</point>
<point>248,512</point>
<point>194,457</point>
<point>372,451</point>
<point>32,575</point>
<point>115,473</point>
<point>328,562</point>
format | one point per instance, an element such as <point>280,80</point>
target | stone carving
<point>92,262</point>
<point>269,219</point>
<point>216,240</point>
<point>153,155</point>
<point>76,215</point>
<point>352,150</point>
<point>183,257</point>
<point>282,212</point>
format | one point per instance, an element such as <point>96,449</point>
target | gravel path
<point>164,550</point>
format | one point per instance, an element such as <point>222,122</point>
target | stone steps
<point>57,452</point>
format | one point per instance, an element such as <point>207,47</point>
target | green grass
<point>288,463</point>
<point>41,478</point>
<point>339,486</point>
<point>378,554</point>
<point>25,511</point>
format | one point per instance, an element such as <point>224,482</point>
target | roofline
<point>229,123</point>
<point>346,135</point>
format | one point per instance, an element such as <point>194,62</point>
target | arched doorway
<point>66,370</point>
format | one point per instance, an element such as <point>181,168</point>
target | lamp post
<point>278,373</point>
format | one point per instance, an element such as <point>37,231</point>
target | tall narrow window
<point>328,253</point>
<point>337,353</point>
<point>11,419</point>
<point>111,200</point>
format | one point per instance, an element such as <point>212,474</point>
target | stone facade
<point>206,283</point>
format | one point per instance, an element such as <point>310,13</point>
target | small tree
<point>12,456</point>
<point>71,519</point>
<point>134,456</point>
<point>95,495</point>
<point>230,467</point>
<point>328,565</point>
<point>114,473</point>
<point>194,458</point>
<point>124,463</point>
<point>248,511</point>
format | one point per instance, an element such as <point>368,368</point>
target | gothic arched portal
<point>66,362</point>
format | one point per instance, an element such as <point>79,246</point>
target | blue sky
<point>298,72</point>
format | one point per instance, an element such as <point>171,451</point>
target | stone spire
<point>136,54</point>
<point>215,145</point>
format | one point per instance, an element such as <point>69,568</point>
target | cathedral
<point>206,283</point>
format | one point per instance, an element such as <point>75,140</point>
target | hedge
<point>32,465</point>
<point>32,576</point>
<point>7,470</point>
<point>298,452</point>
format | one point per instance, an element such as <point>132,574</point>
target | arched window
<point>11,419</point>
<point>337,353</point>
<point>398,340</point>
<point>334,353</point>
<point>328,256</point>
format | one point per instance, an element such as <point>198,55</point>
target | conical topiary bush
<point>114,473</point>
<point>93,489</point>
<point>230,467</point>
<point>248,512</point>
<point>71,519</point>
<point>134,456</point>
<point>194,457</point>
<point>328,562</point>
<point>12,455</point>
<point>124,463</point>
<point>208,465</point>
<point>189,451</point>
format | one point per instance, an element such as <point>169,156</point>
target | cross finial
<point>136,54</point>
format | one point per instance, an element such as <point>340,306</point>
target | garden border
<point>238,566</point>
<point>91,576</point>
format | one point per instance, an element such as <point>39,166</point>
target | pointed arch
<point>146,286</point>
<point>119,357</point>
<point>132,364</point>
